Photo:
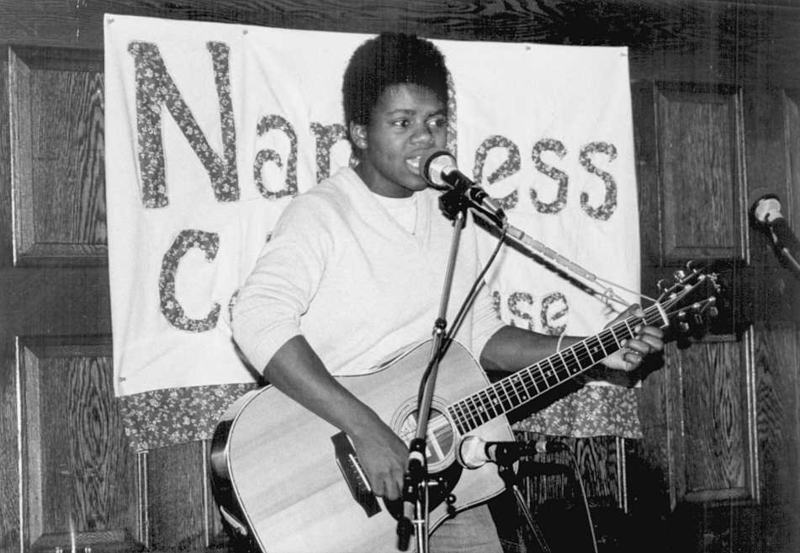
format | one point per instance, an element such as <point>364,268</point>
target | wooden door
<point>66,468</point>
<point>720,416</point>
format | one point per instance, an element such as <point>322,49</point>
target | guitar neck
<point>531,382</point>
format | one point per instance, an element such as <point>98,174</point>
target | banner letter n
<point>154,89</point>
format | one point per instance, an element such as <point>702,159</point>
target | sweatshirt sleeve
<point>286,275</point>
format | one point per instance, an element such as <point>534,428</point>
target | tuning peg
<point>711,309</point>
<point>679,275</point>
<point>683,326</point>
<point>694,266</point>
<point>713,278</point>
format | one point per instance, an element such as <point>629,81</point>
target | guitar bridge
<point>353,474</point>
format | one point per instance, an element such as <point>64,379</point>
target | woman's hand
<point>383,456</point>
<point>647,339</point>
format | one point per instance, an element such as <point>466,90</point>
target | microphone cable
<point>573,461</point>
<point>461,314</point>
<point>584,496</point>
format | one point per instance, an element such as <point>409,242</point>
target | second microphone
<point>474,452</point>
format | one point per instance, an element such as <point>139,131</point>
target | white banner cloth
<point>212,128</point>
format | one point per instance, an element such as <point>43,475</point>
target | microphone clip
<point>461,198</point>
<point>453,202</point>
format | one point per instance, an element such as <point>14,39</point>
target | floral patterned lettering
<point>557,147</point>
<point>514,299</point>
<point>326,137</point>
<point>154,89</point>
<point>554,307</point>
<point>266,124</point>
<point>171,308</point>
<point>509,166</point>
<point>605,210</point>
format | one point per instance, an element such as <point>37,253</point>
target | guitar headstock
<point>690,301</point>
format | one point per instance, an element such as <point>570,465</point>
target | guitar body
<point>293,480</point>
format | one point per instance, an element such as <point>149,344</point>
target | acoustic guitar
<point>292,483</point>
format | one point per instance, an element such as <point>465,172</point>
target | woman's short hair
<point>386,60</point>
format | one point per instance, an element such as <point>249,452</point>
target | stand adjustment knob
<point>451,505</point>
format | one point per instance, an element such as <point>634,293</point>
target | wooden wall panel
<point>774,167</point>
<point>700,452</point>
<point>9,451</point>
<point>600,462</point>
<point>791,117</point>
<point>700,167</point>
<point>718,440</point>
<point>6,249</point>
<point>57,152</point>
<point>9,487</point>
<point>772,129</point>
<point>78,480</point>
<point>647,176</point>
<point>695,40</point>
<point>180,510</point>
<point>554,494</point>
<point>778,392</point>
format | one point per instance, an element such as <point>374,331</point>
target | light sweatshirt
<point>342,272</point>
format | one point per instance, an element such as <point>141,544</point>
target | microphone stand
<point>439,169</point>
<point>415,512</point>
<point>533,246</point>
<point>505,468</point>
<point>415,480</point>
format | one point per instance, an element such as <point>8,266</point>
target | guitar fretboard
<point>533,381</point>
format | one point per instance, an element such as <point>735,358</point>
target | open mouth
<point>413,164</point>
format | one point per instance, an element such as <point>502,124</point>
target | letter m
<point>154,89</point>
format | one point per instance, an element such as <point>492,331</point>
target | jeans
<point>471,531</point>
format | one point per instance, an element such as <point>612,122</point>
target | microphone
<point>767,211</point>
<point>439,170</point>
<point>474,452</point>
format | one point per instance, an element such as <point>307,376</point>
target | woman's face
<point>408,123</point>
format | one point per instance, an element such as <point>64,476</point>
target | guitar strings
<point>607,337</point>
<point>470,412</point>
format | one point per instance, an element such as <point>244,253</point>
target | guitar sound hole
<point>440,438</point>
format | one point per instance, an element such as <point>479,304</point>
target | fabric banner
<point>212,128</point>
